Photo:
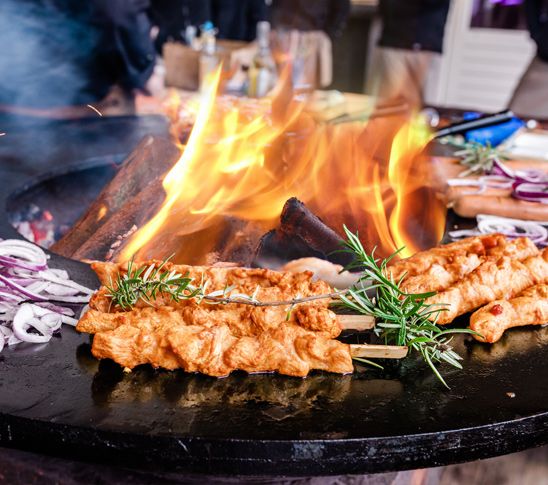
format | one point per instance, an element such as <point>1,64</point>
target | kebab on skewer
<point>492,280</point>
<point>266,285</point>
<point>460,263</point>
<point>217,339</point>
<point>530,307</point>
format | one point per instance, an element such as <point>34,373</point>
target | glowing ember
<point>245,160</point>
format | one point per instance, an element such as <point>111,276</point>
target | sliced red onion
<point>462,233</point>
<point>56,309</point>
<point>468,183</point>
<point>6,295</point>
<point>69,320</point>
<point>50,276</point>
<point>512,228</point>
<point>13,340</point>
<point>21,289</point>
<point>531,192</point>
<point>60,273</point>
<point>24,275</point>
<point>56,289</point>
<point>485,182</point>
<point>496,181</point>
<point>14,252</point>
<point>535,231</point>
<point>530,176</point>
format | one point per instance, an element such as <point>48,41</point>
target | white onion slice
<point>49,276</point>
<point>512,228</point>
<point>23,320</point>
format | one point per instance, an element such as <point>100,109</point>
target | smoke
<point>47,47</point>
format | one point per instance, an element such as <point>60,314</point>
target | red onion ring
<point>531,192</point>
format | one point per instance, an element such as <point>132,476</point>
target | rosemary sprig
<point>477,157</point>
<point>402,318</point>
<point>147,283</point>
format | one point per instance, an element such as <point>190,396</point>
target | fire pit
<point>58,400</point>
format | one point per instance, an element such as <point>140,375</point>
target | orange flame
<point>244,160</point>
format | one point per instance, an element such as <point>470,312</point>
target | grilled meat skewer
<point>492,280</point>
<point>529,308</point>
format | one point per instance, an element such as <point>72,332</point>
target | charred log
<point>301,234</point>
<point>104,243</point>
<point>148,163</point>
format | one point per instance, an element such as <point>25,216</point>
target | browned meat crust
<point>492,280</point>
<point>217,339</point>
<point>439,277</point>
<point>529,308</point>
<point>448,254</point>
<point>243,320</point>
<point>214,350</point>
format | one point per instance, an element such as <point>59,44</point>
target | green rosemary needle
<point>478,158</point>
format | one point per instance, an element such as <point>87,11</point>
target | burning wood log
<point>146,164</point>
<point>301,234</point>
<point>108,238</point>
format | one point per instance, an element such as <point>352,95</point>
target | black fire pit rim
<point>32,181</point>
<point>248,457</point>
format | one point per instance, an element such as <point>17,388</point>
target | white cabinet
<point>480,67</point>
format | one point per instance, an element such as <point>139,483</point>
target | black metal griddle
<point>57,399</point>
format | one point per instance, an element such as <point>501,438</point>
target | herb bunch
<point>146,283</point>
<point>479,158</point>
<point>402,318</point>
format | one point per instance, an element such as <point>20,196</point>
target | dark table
<point>58,400</point>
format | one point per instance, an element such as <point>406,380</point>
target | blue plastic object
<point>494,135</point>
<point>207,26</point>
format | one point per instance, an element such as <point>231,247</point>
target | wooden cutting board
<point>497,202</point>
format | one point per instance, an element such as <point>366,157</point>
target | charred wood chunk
<point>148,163</point>
<point>108,240</point>
<point>301,234</point>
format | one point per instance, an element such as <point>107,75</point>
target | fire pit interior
<point>91,211</point>
<point>47,207</point>
<point>253,184</point>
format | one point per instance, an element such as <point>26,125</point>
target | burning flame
<point>243,160</point>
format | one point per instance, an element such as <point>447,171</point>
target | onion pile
<point>511,228</point>
<point>33,297</point>
<point>530,185</point>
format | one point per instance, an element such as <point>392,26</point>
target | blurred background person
<point>531,96</point>
<point>411,41</point>
<point>304,31</point>
<point>237,19</point>
<point>64,55</point>
<point>329,16</point>
<point>172,17</point>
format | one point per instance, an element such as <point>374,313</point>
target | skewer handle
<point>356,322</point>
<point>378,351</point>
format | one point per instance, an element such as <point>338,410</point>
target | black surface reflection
<point>112,385</point>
